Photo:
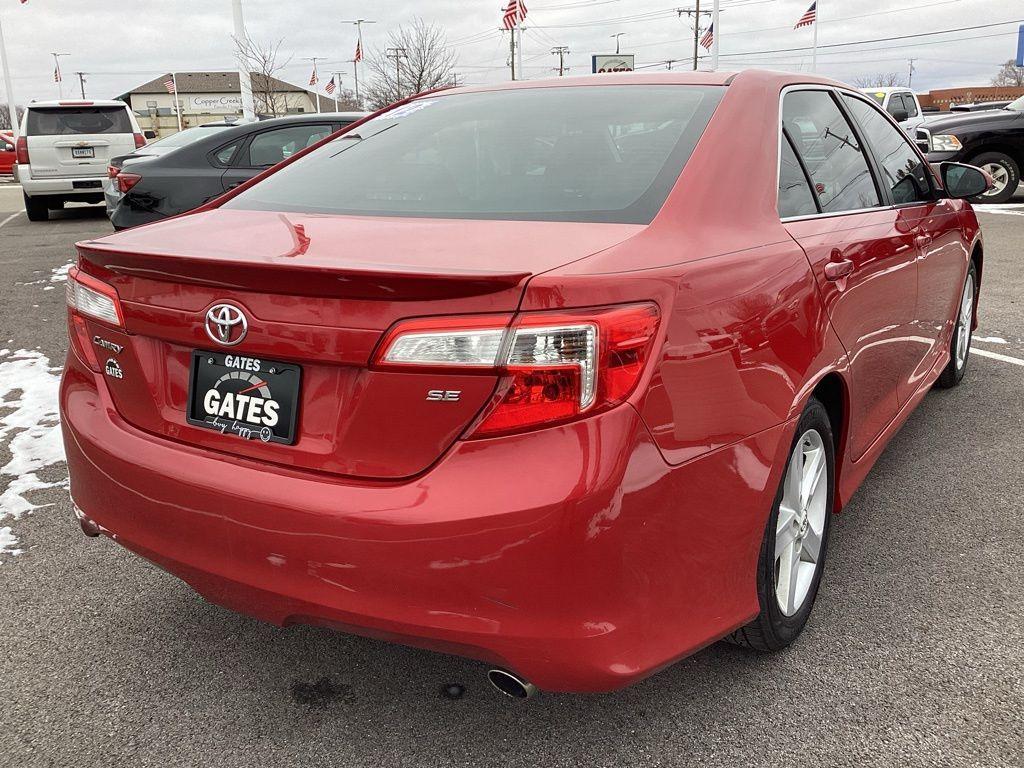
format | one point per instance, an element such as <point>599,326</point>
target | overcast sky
<point>123,44</point>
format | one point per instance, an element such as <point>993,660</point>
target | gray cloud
<point>121,44</point>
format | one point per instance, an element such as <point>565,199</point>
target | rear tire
<point>36,208</point>
<point>960,344</point>
<point>796,537</point>
<point>1004,170</point>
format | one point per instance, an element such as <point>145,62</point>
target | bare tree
<point>346,100</point>
<point>1009,74</point>
<point>881,80</point>
<point>416,59</point>
<point>263,62</point>
<point>5,116</point>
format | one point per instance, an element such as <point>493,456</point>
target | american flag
<point>313,79</point>
<point>515,12</point>
<point>169,84</point>
<point>810,17</point>
<point>359,51</point>
<point>56,74</point>
<point>330,87</point>
<point>709,38</point>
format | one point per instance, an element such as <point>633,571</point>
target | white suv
<point>63,150</point>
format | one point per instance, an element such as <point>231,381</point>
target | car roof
<point>885,89</point>
<point>74,103</point>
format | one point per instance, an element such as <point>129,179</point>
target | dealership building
<point>207,96</point>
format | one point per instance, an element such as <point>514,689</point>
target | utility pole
<point>81,81</point>
<point>617,35</point>
<point>561,51</point>
<point>910,77</point>
<point>244,83</point>
<point>695,14</point>
<point>57,74</point>
<point>315,59</point>
<point>359,49</point>
<point>12,109</point>
<point>669,63</point>
<point>397,54</point>
<point>519,50</point>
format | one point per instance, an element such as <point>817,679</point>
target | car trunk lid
<point>318,292</point>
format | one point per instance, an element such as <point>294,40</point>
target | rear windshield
<point>65,121</point>
<point>595,153</point>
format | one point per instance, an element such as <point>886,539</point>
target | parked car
<point>7,153</point>
<point>993,140</point>
<point>111,189</point>
<point>901,103</point>
<point>520,372</point>
<point>979,107</point>
<point>179,180</point>
<point>63,150</point>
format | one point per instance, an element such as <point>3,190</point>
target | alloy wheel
<point>964,322</point>
<point>801,522</point>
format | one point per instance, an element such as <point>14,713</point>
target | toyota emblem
<point>226,324</point>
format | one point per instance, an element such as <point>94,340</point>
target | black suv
<point>993,140</point>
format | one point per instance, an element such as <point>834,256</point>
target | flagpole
<point>12,108</point>
<point>355,68</point>
<point>814,45</point>
<point>716,32</point>
<point>519,55</point>
<point>177,104</point>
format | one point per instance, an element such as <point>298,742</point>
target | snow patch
<point>30,429</point>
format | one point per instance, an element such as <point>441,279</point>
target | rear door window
<point>70,121</point>
<point>831,152</point>
<point>271,147</point>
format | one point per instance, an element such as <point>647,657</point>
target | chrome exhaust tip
<point>511,685</point>
<point>89,528</point>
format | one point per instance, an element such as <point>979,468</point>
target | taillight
<point>112,172</point>
<point>90,298</point>
<point>21,147</point>
<point>554,366</point>
<point>93,298</point>
<point>126,181</point>
<point>140,141</point>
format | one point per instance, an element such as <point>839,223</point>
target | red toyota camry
<point>568,376</point>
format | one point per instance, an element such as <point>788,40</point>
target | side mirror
<point>149,134</point>
<point>964,181</point>
<point>899,115</point>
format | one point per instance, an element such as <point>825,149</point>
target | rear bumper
<point>79,186</point>
<point>574,555</point>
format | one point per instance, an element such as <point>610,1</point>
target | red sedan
<point>8,154</point>
<point>568,376</point>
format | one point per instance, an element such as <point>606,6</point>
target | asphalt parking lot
<point>914,654</point>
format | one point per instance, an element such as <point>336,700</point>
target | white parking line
<point>997,356</point>
<point>10,218</point>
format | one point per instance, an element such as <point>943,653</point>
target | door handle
<point>837,270</point>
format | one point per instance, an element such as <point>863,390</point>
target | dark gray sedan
<point>173,176</point>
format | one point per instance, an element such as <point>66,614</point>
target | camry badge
<point>226,324</point>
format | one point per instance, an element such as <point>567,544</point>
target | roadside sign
<point>613,62</point>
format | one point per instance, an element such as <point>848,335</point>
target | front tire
<point>795,538</point>
<point>36,208</point>
<point>960,344</point>
<point>1004,170</point>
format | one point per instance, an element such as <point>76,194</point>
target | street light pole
<point>716,33</point>
<point>57,74</point>
<point>244,84</point>
<point>617,35</point>
<point>12,108</point>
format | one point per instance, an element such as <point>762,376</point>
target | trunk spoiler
<point>281,275</point>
